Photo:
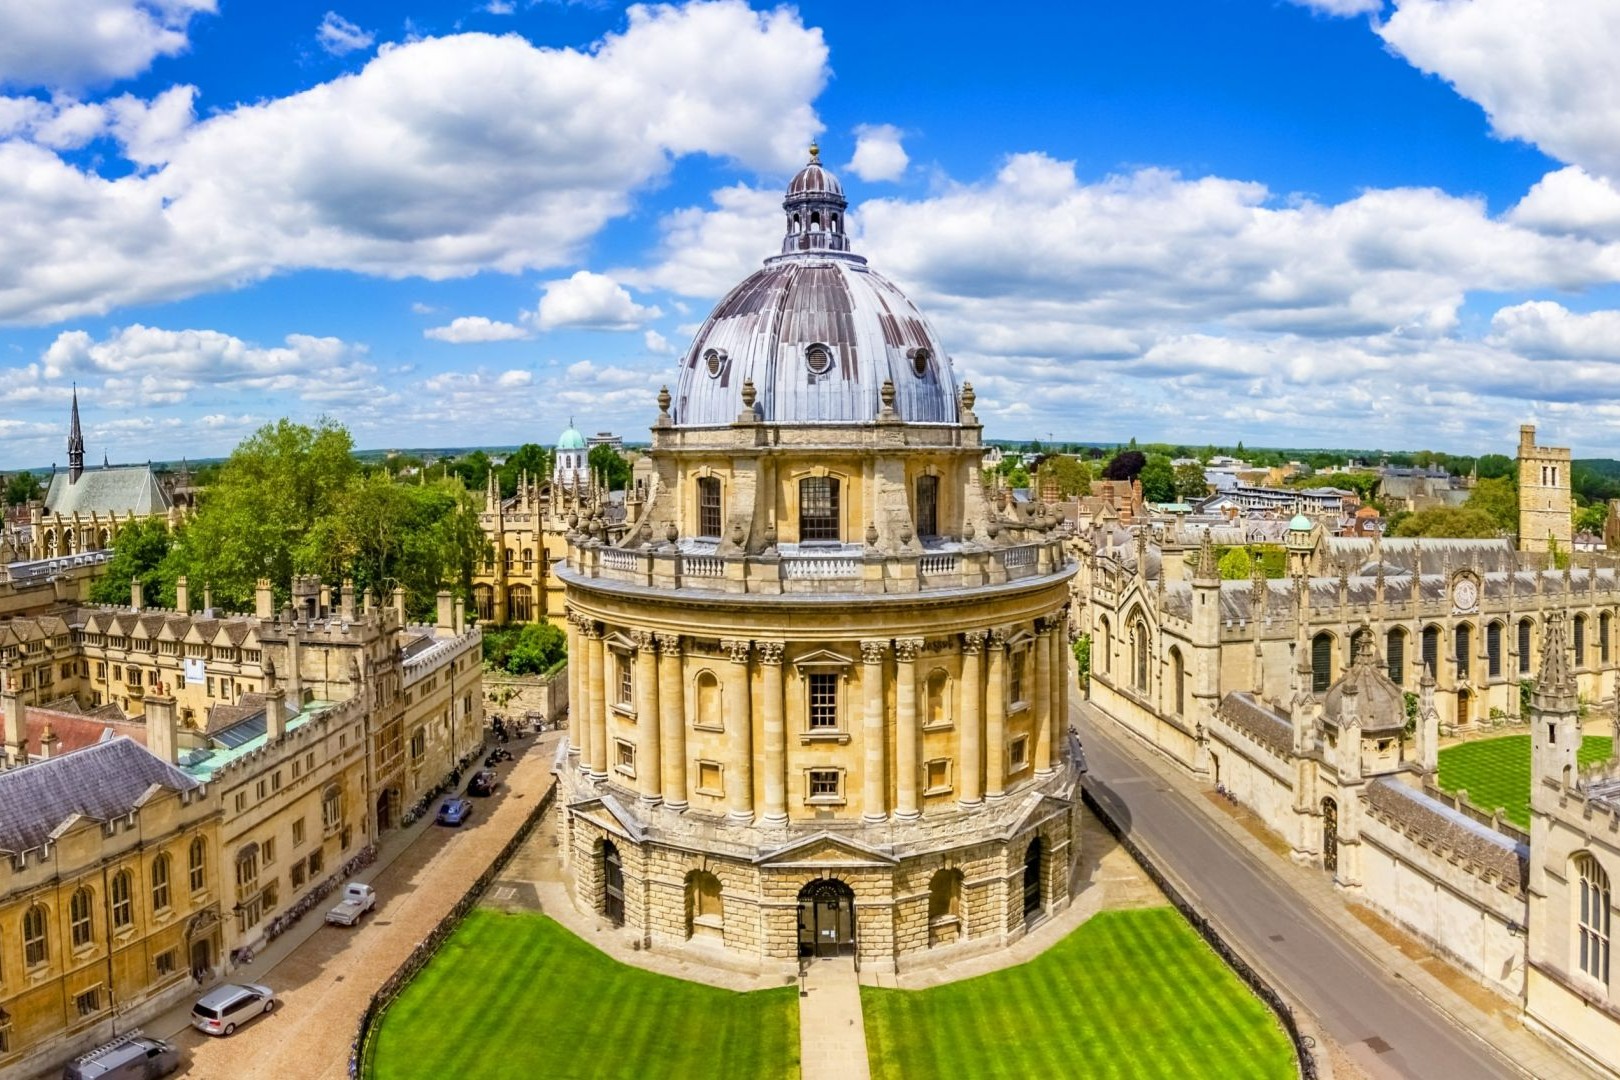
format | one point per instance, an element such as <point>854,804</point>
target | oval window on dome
<point>818,358</point>
<point>919,361</point>
<point>715,361</point>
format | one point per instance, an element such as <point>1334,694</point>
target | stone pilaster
<point>906,766</point>
<point>579,727</point>
<point>874,800</point>
<point>596,692</point>
<point>995,719</point>
<point>770,659</point>
<point>649,781</point>
<point>1060,683</point>
<point>672,720</point>
<point>970,736</point>
<point>1043,697</point>
<point>739,734</point>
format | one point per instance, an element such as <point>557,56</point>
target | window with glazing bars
<point>818,508</point>
<point>823,701</point>
<point>928,506</point>
<point>1395,656</point>
<point>1524,646</point>
<point>1580,641</point>
<point>1493,649</point>
<point>708,506</point>
<point>1431,650</point>
<point>1464,642</point>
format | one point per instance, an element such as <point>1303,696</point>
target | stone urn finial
<point>993,529</point>
<point>671,532</point>
<point>871,534</point>
<point>737,533</point>
<point>967,530</point>
<point>663,400</point>
<point>968,396</point>
<point>770,533</point>
<point>887,393</point>
<point>905,533</point>
<point>748,393</point>
<point>573,520</point>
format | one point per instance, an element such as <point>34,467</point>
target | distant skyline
<point>1295,223</point>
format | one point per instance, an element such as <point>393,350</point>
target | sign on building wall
<point>194,671</point>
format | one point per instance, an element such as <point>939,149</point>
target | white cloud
<point>704,252</point>
<point>1343,8</point>
<point>1544,329</point>
<point>72,44</point>
<point>878,153</point>
<point>419,308</point>
<point>440,158</point>
<point>469,329</point>
<point>590,301</point>
<point>339,36</point>
<point>657,344</point>
<point>514,378</point>
<point>500,7</point>
<point>149,131</point>
<point>1543,71</point>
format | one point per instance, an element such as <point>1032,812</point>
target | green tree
<point>1236,565</point>
<point>1073,475</point>
<point>1496,467</point>
<point>1448,521</point>
<point>1190,482</point>
<point>139,553</point>
<point>1082,660</point>
<point>1591,518</point>
<point>530,649</point>
<point>1158,480</point>
<point>23,487</point>
<point>473,469</point>
<point>1498,499</point>
<point>530,458</point>
<point>606,461</point>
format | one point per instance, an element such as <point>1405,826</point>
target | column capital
<point>996,640</point>
<point>737,649</point>
<point>669,644</point>
<point>770,652</point>
<point>591,629</point>
<point>872,652</point>
<point>906,649</point>
<point>642,639</point>
<point>973,642</point>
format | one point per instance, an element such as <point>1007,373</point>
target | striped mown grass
<point>1130,994</point>
<point>1496,772</point>
<point>518,996</point>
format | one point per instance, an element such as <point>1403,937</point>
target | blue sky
<point>1320,222</point>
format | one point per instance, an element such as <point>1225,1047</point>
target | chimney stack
<point>182,595</point>
<point>461,615</point>
<point>346,600</point>
<point>162,734</point>
<point>445,627</point>
<point>295,676</point>
<point>47,743</point>
<point>136,599</point>
<point>368,601</point>
<point>208,597</point>
<point>16,729</point>
<point>264,601</point>
<point>399,604</point>
<point>326,600</point>
<point>275,714</point>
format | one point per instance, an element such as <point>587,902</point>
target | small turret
<point>1555,730</point>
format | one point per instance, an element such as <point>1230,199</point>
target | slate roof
<point>117,489</point>
<point>101,783</point>
<point>1449,832</point>
<point>1258,721</point>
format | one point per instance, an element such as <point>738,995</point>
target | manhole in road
<point>1276,937</point>
<point>1378,1045</point>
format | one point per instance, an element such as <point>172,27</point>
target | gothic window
<point>1463,639</point>
<point>1524,646</point>
<point>1593,927</point>
<point>123,902</point>
<point>1139,643</point>
<point>1395,655</point>
<point>708,506</point>
<point>519,603</point>
<point>1178,678</point>
<point>1321,662</point>
<point>160,883</point>
<point>1603,637</point>
<point>197,865</point>
<point>1580,641</point>
<point>36,948</point>
<point>823,688</point>
<point>79,924</point>
<point>1104,645</point>
<point>484,602</point>
<point>1431,649</point>
<point>1493,650</point>
<point>818,509</point>
<point>528,560</point>
<point>928,506</point>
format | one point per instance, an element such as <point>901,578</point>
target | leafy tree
<point>1449,521</point>
<point>1190,482</point>
<point>531,458</point>
<point>1072,475</point>
<point>1082,660</point>
<point>1158,478</point>
<point>1496,467</point>
<point>530,649</point>
<point>139,552</point>
<point>473,470</point>
<point>1498,499</point>
<point>606,461</point>
<point>1591,518</point>
<point>23,487</point>
<point>1125,465</point>
<point>1236,565</point>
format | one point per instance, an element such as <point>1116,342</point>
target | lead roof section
<point>100,783</point>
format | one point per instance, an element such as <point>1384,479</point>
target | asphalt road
<point>1386,1028</point>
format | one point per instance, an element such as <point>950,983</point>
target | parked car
<point>132,1056</point>
<point>357,900</point>
<point>225,1008</point>
<point>454,812</point>
<point>482,783</point>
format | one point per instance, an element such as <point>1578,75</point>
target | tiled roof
<point>74,730</point>
<point>1447,831</point>
<point>1258,721</point>
<point>121,489</point>
<point>101,783</point>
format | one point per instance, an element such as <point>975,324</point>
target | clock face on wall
<point>1464,595</point>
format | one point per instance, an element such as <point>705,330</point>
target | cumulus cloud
<point>657,344</point>
<point>878,153</point>
<point>339,36</point>
<point>469,329</point>
<point>72,44</point>
<point>1342,8</point>
<point>590,301</point>
<point>705,251</point>
<point>500,7</point>
<point>441,158</point>
<point>1544,329</point>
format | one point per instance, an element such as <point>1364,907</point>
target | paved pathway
<point>832,1034</point>
<point>1395,1013</point>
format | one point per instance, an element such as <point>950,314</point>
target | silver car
<point>225,1008</point>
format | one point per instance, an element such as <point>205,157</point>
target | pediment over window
<point>827,850</point>
<point>824,660</point>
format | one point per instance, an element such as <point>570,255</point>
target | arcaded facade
<point>820,686</point>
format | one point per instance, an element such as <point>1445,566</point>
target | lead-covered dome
<point>817,331</point>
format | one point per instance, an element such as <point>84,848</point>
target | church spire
<point>75,442</point>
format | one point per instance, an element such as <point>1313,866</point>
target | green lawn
<point>1496,772</point>
<point>1129,994</point>
<point>519,996</point>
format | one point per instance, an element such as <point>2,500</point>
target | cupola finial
<point>815,151</point>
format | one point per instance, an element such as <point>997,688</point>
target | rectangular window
<point>825,785</point>
<point>624,757</point>
<point>275,780</point>
<point>210,686</point>
<point>1018,753</point>
<point>928,506</point>
<point>626,682</point>
<point>1016,682</point>
<point>317,862</point>
<point>823,701</point>
<point>818,509</point>
<point>298,832</point>
<point>709,506</point>
<point>88,1002</point>
<point>709,778</point>
<point>241,801</point>
<point>269,850</point>
<point>165,962</point>
<point>296,875</point>
<point>418,745</point>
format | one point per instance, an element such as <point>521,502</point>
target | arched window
<point>1593,918</point>
<point>1178,680</point>
<point>123,900</point>
<point>160,883</point>
<point>1580,641</point>
<point>1395,655</point>
<point>937,709</point>
<point>944,906</point>
<point>818,509</point>
<point>1431,649</point>
<point>1463,640</point>
<point>484,602</point>
<point>197,865</point>
<point>1604,628</point>
<point>708,506</point>
<point>80,927</point>
<point>708,700</point>
<point>36,947</point>
<point>1104,645</point>
<point>1139,655</point>
<point>1493,650</point>
<point>519,603</point>
<point>705,906</point>
<point>1321,662</point>
<point>1526,635</point>
<point>927,506</point>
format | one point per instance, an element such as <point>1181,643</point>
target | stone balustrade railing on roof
<point>801,572</point>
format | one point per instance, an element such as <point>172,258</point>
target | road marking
<point>505,893</point>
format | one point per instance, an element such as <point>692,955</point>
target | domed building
<point>820,686</point>
<point>571,470</point>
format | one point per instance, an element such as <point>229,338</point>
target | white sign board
<point>194,671</point>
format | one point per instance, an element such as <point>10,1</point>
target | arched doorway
<point>1032,879</point>
<point>1330,836</point>
<point>387,809</point>
<point>612,884</point>
<point>1465,711</point>
<point>826,918</point>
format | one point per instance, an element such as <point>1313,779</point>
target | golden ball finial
<point>815,152</point>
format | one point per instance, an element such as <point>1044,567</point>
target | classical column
<point>874,802</point>
<point>597,692</point>
<point>1043,697</point>
<point>1060,684</point>
<point>672,719</point>
<point>995,719</point>
<point>770,658</point>
<point>905,735</point>
<point>577,727</point>
<point>739,734</point>
<point>648,780</point>
<point>970,736</point>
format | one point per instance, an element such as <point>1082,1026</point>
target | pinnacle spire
<point>75,441</point>
<point>1555,683</point>
<point>1207,568</point>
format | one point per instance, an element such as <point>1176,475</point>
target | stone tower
<point>1555,726</point>
<point>1544,508</point>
